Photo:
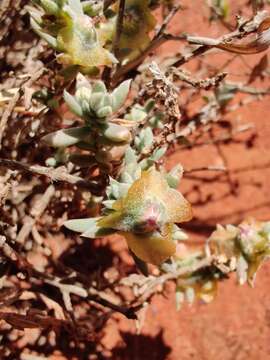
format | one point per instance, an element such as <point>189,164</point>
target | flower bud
<point>51,162</point>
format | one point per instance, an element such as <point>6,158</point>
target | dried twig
<point>248,89</point>
<point>4,191</point>
<point>206,84</point>
<point>37,210</point>
<point>119,27</point>
<point>7,250</point>
<point>57,174</point>
<point>66,289</point>
<point>243,30</point>
<point>15,99</point>
<point>167,20</point>
<point>255,6</point>
<point>206,168</point>
<point>147,286</point>
<point>157,41</point>
<point>115,48</point>
<point>165,91</point>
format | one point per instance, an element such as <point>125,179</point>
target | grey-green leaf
<point>50,7</point>
<point>174,176</point>
<point>178,234</point>
<point>159,153</point>
<point>242,270</point>
<point>52,41</point>
<point>117,133</point>
<point>81,225</point>
<point>130,156</point>
<point>119,95</point>
<point>73,104</point>
<point>99,87</point>
<point>67,137</point>
<point>88,227</point>
<point>96,99</point>
<point>104,112</point>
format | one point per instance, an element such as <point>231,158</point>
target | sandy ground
<point>236,325</point>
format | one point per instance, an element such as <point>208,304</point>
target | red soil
<point>236,325</point>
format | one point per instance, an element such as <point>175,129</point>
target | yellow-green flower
<point>248,244</point>
<point>145,217</point>
<point>80,43</point>
<point>67,29</point>
<point>138,22</point>
<point>254,242</point>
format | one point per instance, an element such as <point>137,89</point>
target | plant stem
<point>119,27</point>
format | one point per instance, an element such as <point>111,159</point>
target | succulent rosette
<point>94,105</point>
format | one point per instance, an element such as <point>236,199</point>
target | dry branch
<point>8,111</point>
<point>57,174</point>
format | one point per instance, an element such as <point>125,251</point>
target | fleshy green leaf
<point>50,7</point>
<point>178,234</point>
<point>52,41</point>
<point>119,95</point>
<point>104,112</point>
<point>88,227</point>
<point>174,176</point>
<point>73,104</point>
<point>67,137</point>
<point>117,133</point>
<point>81,225</point>
<point>99,87</point>
<point>96,99</point>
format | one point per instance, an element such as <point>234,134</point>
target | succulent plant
<point>138,22</point>
<point>144,213</point>
<point>248,244</point>
<point>65,27</point>
<point>94,105</point>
